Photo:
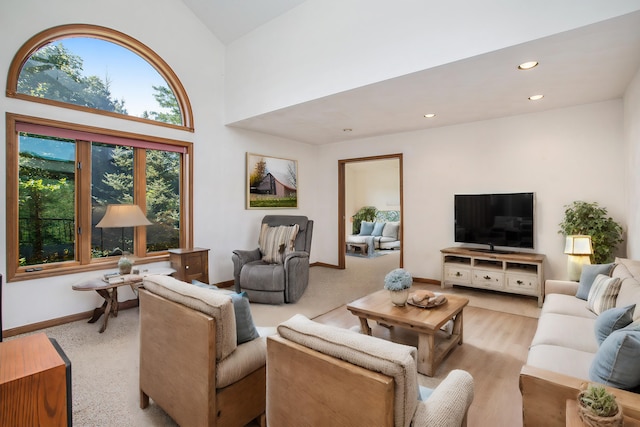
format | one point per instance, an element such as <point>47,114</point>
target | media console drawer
<point>457,274</point>
<point>487,278</point>
<point>524,282</point>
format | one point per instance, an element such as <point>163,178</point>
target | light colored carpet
<point>105,366</point>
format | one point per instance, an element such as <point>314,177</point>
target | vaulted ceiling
<point>589,64</point>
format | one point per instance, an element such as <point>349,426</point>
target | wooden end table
<point>426,322</point>
<point>108,291</point>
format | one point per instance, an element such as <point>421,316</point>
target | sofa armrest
<point>565,287</point>
<point>544,396</point>
<point>448,404</point>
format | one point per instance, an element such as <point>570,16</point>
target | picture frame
<point>272,182</point>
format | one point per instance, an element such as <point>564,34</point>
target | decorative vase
<point>124,265</point>
<point>592,420</point>
<point>400,297</point>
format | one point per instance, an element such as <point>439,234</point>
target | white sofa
<point>565,347</point>
<point>382,233</point>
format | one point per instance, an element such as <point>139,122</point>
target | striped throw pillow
<point>277,242</point>
<point>603,293</point>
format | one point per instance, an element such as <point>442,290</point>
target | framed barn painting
<point>272,182</point>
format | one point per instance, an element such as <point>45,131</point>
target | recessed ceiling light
<point>347,130</point>
<point>536,97</point>
<point>528,65</point>
<point>430,115</point>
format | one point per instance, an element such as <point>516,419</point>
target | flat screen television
<point>504,219</point>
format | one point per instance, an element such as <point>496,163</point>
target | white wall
<point>632,138</point>
<point>324,47</point>
<point>197,57</point>
<point>542,152</point>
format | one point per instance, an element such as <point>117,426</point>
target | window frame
<point>83,261</point>
<point>109,35</point>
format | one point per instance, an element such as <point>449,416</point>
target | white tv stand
<point>516,273</point>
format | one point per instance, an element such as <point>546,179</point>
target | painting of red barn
<point>272,182</point>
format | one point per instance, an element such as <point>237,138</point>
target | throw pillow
<point>377,229</point>
<point>391,230</point>
<point>612,320</point>
<point>603,293</point>
<point>616,362</point>
<point>366,228</point>
<point>589,273</point>
<point>245,328</point>
<point>277,242</point>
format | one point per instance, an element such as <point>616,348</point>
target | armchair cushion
<point>277,242</point>
<point>247,358</point>
<point>214,304</point>
<point>394,360</point>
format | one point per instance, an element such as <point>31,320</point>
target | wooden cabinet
<point>517,273</point>
<point>35,383</point>
<point>190,264</point>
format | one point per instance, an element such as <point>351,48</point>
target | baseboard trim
<point>122,305</point>
<point>322,264</point>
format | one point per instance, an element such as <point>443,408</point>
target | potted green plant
<point>597,407</point>
<point>592,220</point>
<point>398,282</point>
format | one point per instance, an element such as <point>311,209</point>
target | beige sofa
<point>564,347</point>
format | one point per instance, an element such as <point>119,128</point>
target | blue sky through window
<point>131,77</point>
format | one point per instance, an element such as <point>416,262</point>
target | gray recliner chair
<point>275,283</point>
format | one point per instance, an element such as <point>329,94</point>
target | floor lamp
<point>579,249</point>
<point>120,216</point>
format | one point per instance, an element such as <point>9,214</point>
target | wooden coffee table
<point>425,321</point>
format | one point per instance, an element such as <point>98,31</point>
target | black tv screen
<point>495,219</point>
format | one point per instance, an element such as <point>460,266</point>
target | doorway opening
<point>368,181</point>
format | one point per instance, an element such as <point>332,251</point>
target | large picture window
<point>66,175</point>
<point>62,176</point>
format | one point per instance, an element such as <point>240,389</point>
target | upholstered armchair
<point>321,375</point>
<point>191,364</point>
<point>277,271</point>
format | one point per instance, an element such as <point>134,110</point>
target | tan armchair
<point>190,364</point>
<point>323,375</point>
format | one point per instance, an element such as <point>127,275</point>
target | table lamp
<point>120,216</point>
<point>579,249</point>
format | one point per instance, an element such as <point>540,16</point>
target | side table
<point>190,264</point>
<point>108,289</point>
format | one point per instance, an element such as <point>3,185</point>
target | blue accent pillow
<point>424,393</point>
<point>245,328</point>
<point>612,320</point>
<point>616,362</point>
<point>366,228</point>
<point>377,229</point>
<point>589,273</point>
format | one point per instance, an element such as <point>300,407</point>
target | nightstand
<point>190,264</point>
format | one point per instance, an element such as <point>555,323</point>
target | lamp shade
<point>578,245</point>
<point>123,216</point>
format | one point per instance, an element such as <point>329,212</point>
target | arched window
<point>100,70</point>
<point>61,176</point>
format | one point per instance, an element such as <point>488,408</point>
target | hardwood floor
<point>494,349</point>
